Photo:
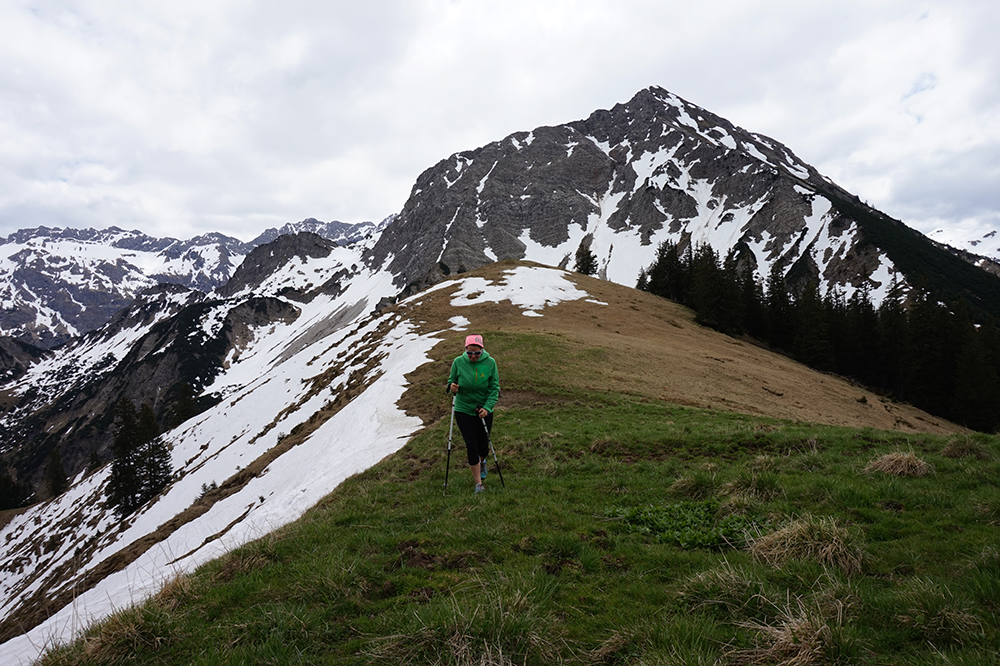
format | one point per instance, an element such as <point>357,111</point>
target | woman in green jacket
<point>475,383</point>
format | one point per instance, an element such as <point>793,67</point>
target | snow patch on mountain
<point>529,288</point>
<point>984,242</point>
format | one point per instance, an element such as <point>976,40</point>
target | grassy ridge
<point>578,559</point>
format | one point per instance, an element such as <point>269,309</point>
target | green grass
<point>790,553</point>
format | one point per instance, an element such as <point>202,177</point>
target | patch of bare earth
<point>651,347</point>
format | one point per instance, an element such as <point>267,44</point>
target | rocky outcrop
<point>15,357</point>
<point>265,260</point>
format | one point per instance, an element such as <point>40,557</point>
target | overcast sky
<point>184,117</point>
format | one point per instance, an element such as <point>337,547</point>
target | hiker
<point>475,382</point>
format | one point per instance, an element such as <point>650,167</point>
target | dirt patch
<point>411,555</point>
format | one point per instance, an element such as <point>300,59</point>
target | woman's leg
<point>484,440</point>
<point>471,427</point>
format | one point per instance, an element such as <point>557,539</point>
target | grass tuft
<point>940,617</point>
<point>763,485</point>
<point>504,623</point>
<point>810,538</point>
<point>727,590</point>
<point>699,485</point>
<point>802,635</point>
<point>899,463</point>
<point>965,447</point>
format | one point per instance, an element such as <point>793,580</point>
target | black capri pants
<point>477,442</point>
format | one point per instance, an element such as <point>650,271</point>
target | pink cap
<point>474,340</point>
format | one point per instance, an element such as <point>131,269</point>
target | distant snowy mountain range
<point>56,284</point>
<point>980,248</point>
<point>296,346</point>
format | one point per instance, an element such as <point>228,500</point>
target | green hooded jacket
<point>478,383</point>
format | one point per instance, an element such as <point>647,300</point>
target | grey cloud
<point>214,116</point>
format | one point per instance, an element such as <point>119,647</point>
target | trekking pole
<point>495,461</point>
<point>451,429</point>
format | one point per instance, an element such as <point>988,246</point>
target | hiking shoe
<point>480,488</point>
<point>482,470</point>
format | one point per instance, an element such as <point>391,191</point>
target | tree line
<point>912,347</point>
<point>140,467</point>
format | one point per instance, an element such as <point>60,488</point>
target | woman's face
<point>474,352</point>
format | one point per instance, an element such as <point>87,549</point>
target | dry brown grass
<point>899,463</point>
<point>638,335</point>
<point>802,635</point>
<point>809,537</point>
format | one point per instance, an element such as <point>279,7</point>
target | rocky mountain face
<point>266,260</point>
<point>341,233</point>
<point>56,284</point>
<point>655,169</point>
<point>15,358</point>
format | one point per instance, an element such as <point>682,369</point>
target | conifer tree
<point>751,293</point>
<point>669,274</point>
<point>708,291</point>
<point>185,405</point>
<point>93,463</point>
<point>859,357</point>
<point>893,336</point>
<point>13,494</point>
<point>55,474</point>
<point>154,456</point>
<point>812,331</point>
<point>933,343</point>
<point>141,467</point>
<point>779,311</point>
<point>976,402</point>
<point>124,484</point>
<point>586,262</point>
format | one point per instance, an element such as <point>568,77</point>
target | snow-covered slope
<point>979,248</point>
<point>984,243</point>
<point>169,340</point>
<point>282,438</point>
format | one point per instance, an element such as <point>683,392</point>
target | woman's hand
<point>453,388</point>
<point>482,413</point>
